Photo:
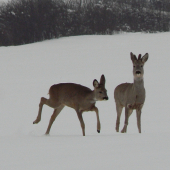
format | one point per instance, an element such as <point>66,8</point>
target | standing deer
<point>131,95</point>
<point>75,96</point>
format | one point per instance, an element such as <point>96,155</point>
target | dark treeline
<point>27,21</point>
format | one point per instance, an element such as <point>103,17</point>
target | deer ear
<point>102,80</point>
<point>133,57</point>
<point>145,57</point>
<point>95,83</point>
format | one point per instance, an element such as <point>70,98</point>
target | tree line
<point>28,21</point>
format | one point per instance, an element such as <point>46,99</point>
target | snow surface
<point>28,71</point>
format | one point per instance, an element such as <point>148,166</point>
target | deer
<point>76,96</point>
<point>131,95</point>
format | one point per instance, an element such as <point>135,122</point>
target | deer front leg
<point>42,102</point>
<point>119,111</point>
<point>79,114</point>
<point>98,119</point>
<point>128,112</point>
<point>138,115</point>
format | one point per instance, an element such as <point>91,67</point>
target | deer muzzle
<point>138,72</point>
<point>105,98</point>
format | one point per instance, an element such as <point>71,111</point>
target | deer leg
<point>128,112</point>
<point>98,119</point>
<point>138,115</point>
<point>79,114</point>
<point>42,102</point>
<point>53,117</point>
<point>119,111</point>
<point>49,103</point>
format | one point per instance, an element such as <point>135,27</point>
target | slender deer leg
<point>98,119</point>
<point>79,114</point>
<point>128,112</point>
<point>42,102</point>
<point>53,117</point>
<point>138,115</point>
<point>49,103</point>
<point>119,111</point>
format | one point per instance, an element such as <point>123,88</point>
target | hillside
<point>28,71</point>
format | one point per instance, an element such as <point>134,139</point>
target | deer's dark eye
<point>134,66</point>
<point>141,65</point>
<point>100,92</point>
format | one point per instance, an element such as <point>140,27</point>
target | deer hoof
<point>98,131</point>
<point>36,121</point>
<point>123,131</point>
<point>117,129</point>
<point>47,134</point>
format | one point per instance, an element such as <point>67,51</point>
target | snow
<point>28,71</point>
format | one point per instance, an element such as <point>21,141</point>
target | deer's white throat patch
<point>93,100</point>
<point>138,75</point>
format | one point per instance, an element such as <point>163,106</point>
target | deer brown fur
<point>76,96</point>
<point>131,95</point>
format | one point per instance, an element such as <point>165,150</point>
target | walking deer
<point>75,96</point>
<point>131,95</point>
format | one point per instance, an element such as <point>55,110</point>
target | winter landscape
<point>28,71</point>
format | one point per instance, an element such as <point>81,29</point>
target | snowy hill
<point>28,71</point>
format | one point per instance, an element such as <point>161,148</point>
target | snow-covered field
<point>28,71</point>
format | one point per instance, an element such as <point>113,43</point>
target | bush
<point>27,21</point>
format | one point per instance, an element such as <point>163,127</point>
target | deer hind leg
<point>138,115</point>
<point>42,102</point>
<point>128,112</point>
<point>119,111</point>
<point>98,119</point>
<point>79,114</point>
<point>53,117</point>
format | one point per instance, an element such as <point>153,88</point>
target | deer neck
<point>91,97</point>
<point>138,85</point>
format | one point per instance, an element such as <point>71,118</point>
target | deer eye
<point>141,65</point>
<point>100,92</point>
<point>134,66</point>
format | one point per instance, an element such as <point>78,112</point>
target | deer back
<point>78,96</point>
<point>69,94</point>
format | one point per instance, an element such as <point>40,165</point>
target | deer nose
<point>138,72</point>
<point>105,98</point>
